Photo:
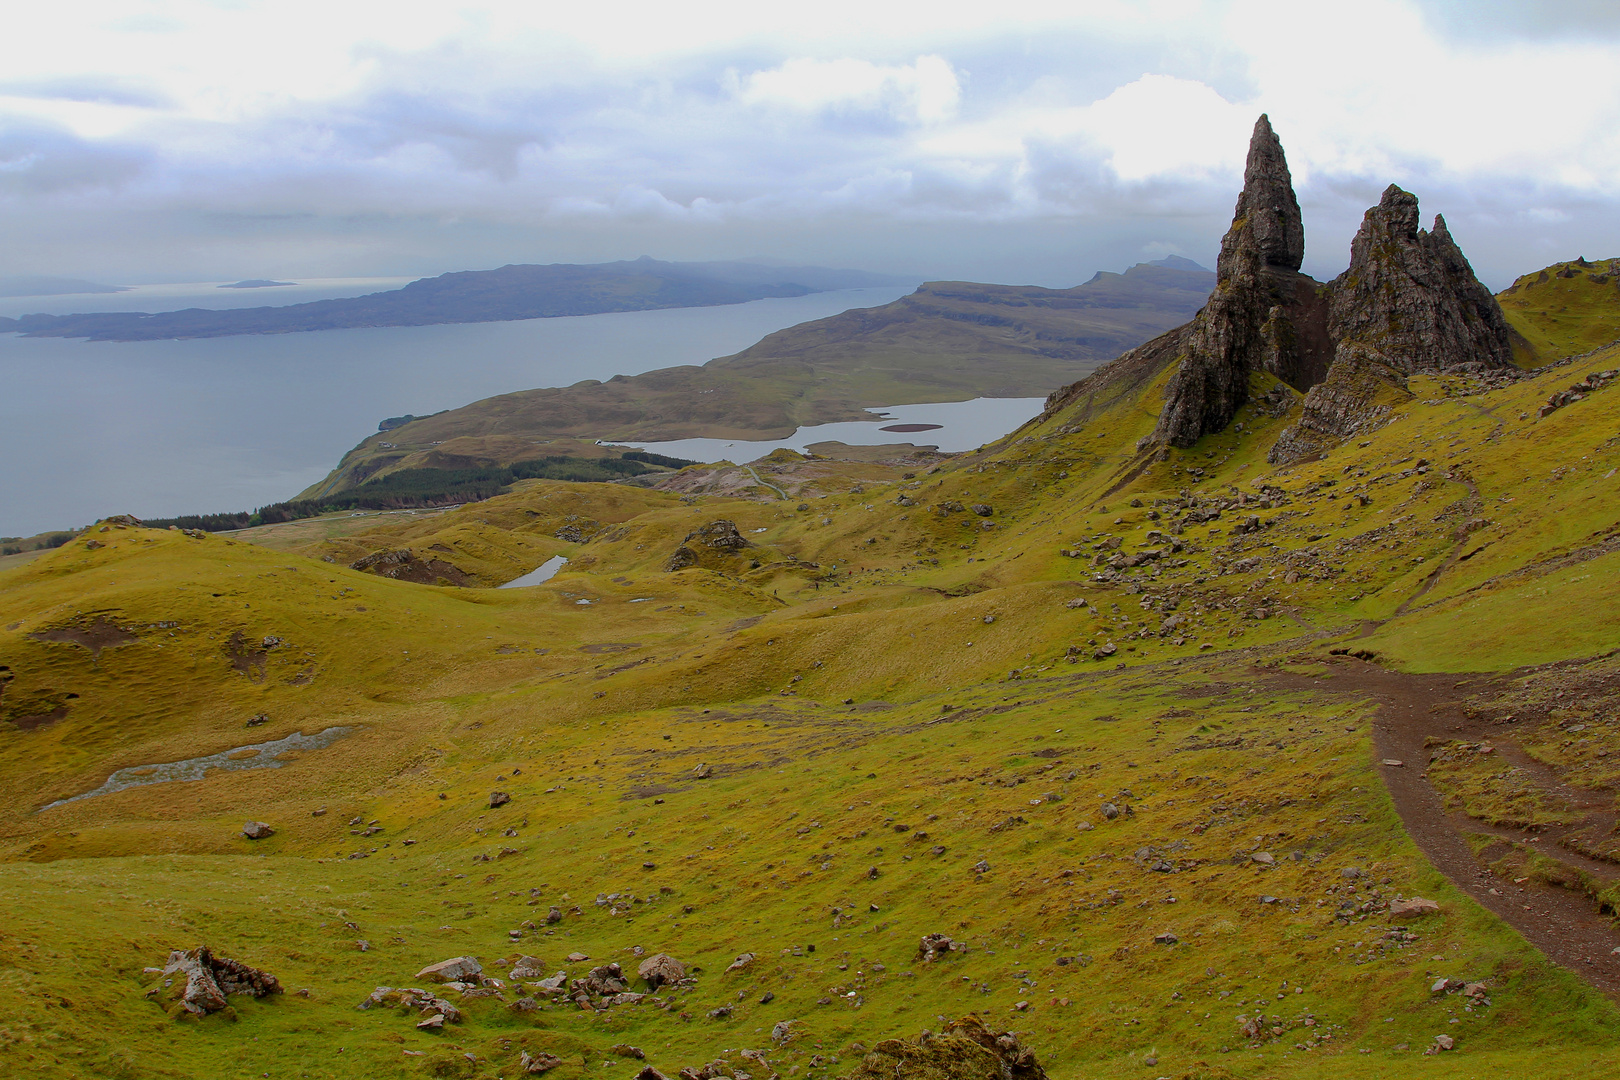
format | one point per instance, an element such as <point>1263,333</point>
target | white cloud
<point>925,92</point>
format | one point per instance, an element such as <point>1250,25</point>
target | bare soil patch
<point>98,634</point>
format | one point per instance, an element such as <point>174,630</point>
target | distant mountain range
<point>53,286</point>
<point>468,296</point>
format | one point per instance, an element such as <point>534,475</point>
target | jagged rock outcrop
<point>1263,315</point>
<point>1409,302</point>
<point>209,979</point>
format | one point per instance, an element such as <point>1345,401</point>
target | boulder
<point>455,969</point>
<point>257,830</point>
<point>534,1064</point>
<point>742,961</point>
<point>719,535</point>
<point>681,558</point>
<point>527,967</point>
<point>659,969</point>
<point>210,978</point>
<point>498,798</point>
<point>1403,909</point>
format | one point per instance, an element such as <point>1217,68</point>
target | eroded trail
<point>1417,711</point>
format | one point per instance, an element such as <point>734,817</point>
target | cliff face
<point>1409,302</point>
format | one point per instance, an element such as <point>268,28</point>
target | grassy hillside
<point>948,341</point>
<point>1158,740</point>
<point>1568,308</point>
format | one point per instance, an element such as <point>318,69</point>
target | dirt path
<point>1564,924</point>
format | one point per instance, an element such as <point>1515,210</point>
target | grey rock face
<point>1409,302</point>
<point>1412,296</point>
<point>1268,202</point>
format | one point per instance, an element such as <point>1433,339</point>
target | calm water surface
<point>159,428</point>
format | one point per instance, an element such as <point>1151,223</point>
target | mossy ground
<point>887,663</point>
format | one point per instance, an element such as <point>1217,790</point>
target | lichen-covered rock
<point>454,969</point>
<point>719,535</point>
<point>210,978</point>
<point>660,969</point>
<point>680,559</point>
<point>965,1050</point>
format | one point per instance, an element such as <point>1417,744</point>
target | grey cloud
<point>1561,20</point>
<point>37,159</point>
<point>89,89</point>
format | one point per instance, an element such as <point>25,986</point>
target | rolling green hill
<point>1162,740</point>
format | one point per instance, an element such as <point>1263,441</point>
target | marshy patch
<point>97,634</point>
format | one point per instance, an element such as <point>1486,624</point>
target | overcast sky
<point>1032,142</point>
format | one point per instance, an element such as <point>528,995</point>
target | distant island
<point>471,296</point>
<point>53,286</point>
<point>257,283</point>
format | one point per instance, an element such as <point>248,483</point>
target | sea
<point>163,428</point>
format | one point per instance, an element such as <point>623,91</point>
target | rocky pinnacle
<point>1247,322</point>
<point>1268,201</point>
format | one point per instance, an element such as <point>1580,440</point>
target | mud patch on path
<point>97,634</point>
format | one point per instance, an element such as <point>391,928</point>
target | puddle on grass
<point>544,572</point>
<point>265,755</point>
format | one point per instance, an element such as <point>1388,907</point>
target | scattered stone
<point>742,961</point>
<point>498,798</point>
<point>660,969</point>
<point>781,1032</point>
<point>257,830</point>
<point>1166,938</point>
<point>982,510</point>
<point>965,1050</point>
<point>576,958</point>
<point>1110,811</point>
<point>702,772</point>
<point>721,1013</point>
<point>1394,763</point>
<point>524,1005</point>
<point>980,867</point>
<point>626,1050</point>
<point>456,969</point>
<point>1445,1042</point>
<point>934,946</point>
<point>432,1023</point>
<point>554,916</point>
<point>770,996</point>
<point>1264,858</point>
<point>650,1073</point>
<point>1351,872</point>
